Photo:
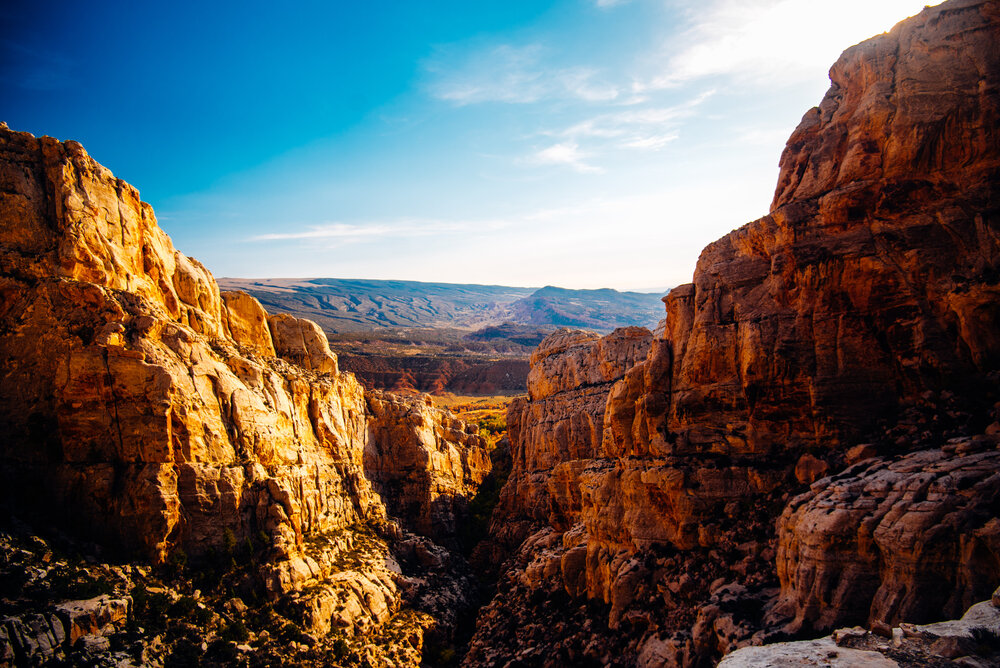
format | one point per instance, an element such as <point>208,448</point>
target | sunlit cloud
<point>773,41</point>
<point>763,136</point>
<point>643,128</point>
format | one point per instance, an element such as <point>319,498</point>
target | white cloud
<point>650,142</point>
<point>567,154</point>
<point>773,41</point>
<point>606,4</point>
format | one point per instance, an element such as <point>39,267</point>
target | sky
<point>578,143</point>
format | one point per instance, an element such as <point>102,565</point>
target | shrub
<point>236,631</point>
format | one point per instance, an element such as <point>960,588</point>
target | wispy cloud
<point>343,233</point>
<point>643,128</point>
<point>606,4</point>
<point>566,154</point>
<point>514,75</point>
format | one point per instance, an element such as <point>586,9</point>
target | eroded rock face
<point>302,342</point>
<point>246,323</point>
<point>872,280</point>
<point>142,408</point>
<point>149,406</point>
<point>910,539</point>
<point>426,463</point>
<point>871,283</point>
<point>873,277</point>
<point>559,428</point>
<point>970,640</point>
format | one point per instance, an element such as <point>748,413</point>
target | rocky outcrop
<point>427,465</point>
<point>910,538</point>
<point>163,419</point>
<point>558,429</point>
<point>93,617</point>
<point>802,340</point>
<point>246,323</point>
<point>972,640</point>
<point>302,342</point>
<point>138,395</point>
<point>873,278</point>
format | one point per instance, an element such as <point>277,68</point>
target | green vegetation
<point>490,413</point>
<point>486,498</point>
<point>149,609</point>
<point>493,427</point>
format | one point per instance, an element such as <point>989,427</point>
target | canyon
<point>809,440</point>
<point>443,337</point>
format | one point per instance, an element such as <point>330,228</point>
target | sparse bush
<point>183,608</point>
<point>149,609</point>
<point>222,652</point>
<point>482,504</point>
<point>339,648</point>
<point>202,616</point>
<point>229,542</point>
<point>185,654</point>
<point>236,631</point>
<point>76,585</point>
<point>176,564</point>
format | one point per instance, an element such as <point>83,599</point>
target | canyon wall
<point>156,413</point>
<point>806,342</point>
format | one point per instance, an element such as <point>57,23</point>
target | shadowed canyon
<point>799,465</point>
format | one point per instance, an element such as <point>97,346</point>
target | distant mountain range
<point>349,305</point>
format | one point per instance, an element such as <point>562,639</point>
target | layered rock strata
<point>871,283</point>
<point>910,538</point>
<point>428,467</point>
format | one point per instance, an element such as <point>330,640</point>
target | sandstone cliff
<point>557,430</point>
<point>869,288</point>
<point>143,408</point>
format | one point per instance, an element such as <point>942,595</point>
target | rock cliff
<point>804,343</point>
<point>557,430</point>
<point>145,409</point>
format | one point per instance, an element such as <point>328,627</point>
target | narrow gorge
<point>810,439</point>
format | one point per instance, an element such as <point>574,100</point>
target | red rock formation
<point>559,428</point>
<point>425,465</point>
<point>873,280</point>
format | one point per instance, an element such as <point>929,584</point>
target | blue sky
<point>581,143</point>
